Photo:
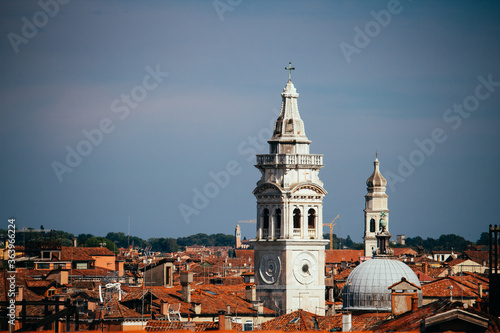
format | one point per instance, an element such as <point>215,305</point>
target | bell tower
<point>376,211</point>
<point>289,245</point>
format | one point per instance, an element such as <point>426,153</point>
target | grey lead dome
<point>367,286</point>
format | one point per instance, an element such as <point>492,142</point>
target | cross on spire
<point>290,69</point>
<point>376,154</point>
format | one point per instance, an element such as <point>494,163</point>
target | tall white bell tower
<point>376,208</point>
<point>289,245</point>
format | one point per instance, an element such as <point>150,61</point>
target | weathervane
<point>290,69</point>
<point>376,154</point>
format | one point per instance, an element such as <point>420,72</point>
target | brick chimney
<point>222,321</point>
<point>424,267</point>
<point>186,280</point>
<point>480,290</point>
<point>414,302</point>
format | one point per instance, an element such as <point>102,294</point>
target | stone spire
<point>289,128</point>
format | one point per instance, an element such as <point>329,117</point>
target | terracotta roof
<point>211,297</point>
<point>422,277</point>
<point>163,325</point>
<point>115,309</point>
<point>456,262</point>
<point>447,286</point>
<point>83,253</point>
<point>338,256</point>
<point>480,257</point>
<point>401,251</point>
<point>244,254</point>
<point>411,321</point>
<point>307,321</point>
<point>343,274</point>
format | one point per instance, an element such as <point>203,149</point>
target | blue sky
<point>219,74</point>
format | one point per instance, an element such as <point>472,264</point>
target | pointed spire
<point>289,126</point>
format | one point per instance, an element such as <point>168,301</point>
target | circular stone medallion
<point>270,268</point>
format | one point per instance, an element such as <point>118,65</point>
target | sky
<point>152,112</point>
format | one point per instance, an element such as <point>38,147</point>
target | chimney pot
<point>346,322</point>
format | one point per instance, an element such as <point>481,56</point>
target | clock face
<point>270,268</point>
<point>305,268</point>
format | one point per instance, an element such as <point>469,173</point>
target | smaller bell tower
<point>376,208</point>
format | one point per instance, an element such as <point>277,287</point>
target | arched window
<point>265,216</point>
<point>277,214</point>
<point>372,225</point>
<point>311,218</point>
<point>296,218</point>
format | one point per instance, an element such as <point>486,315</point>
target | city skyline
<point>155,112</point>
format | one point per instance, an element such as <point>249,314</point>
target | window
<point>296,218</point>
<point>265,215</point>
<point>81,265</point>
<point>311,218</point>
<point>278,219</point>
<point>372,225</point>
<point>43,266</point>
<point>59,265</point>
<point>248,326</point>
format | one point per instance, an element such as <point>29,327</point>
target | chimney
<point>164,308</point>
<point>228,309</point>
<point>480,289</point>
<point>64,277</point>
<point>251,293</point>
<point>424,267</point>
<point>258,306</point>
<point>414,302</point>
<point>197,308</point>
<point>74,242</point>
<point>19,298</point>
<point>346,322</point>
<point>186,280</point>
<point>222,321</point>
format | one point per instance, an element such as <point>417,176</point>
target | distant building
<point>400,240</point>
<point>237,234</point>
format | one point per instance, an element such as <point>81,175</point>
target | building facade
<point>289,245</point>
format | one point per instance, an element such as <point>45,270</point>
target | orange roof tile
<point>338,256</point>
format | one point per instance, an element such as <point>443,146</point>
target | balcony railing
<point>265,233</point>
<point>296,232</point>
<point>277,233</point>
<point>303,159</point>
<point>311,233</point>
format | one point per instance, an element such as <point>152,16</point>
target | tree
<point>484,239</point>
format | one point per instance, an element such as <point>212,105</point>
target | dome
<point>376,179</point>
<point>367,286</point>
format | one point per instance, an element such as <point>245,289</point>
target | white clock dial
<point>270,268</point>
<point>305,268</point>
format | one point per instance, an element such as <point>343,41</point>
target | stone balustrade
<point>301,159</point>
